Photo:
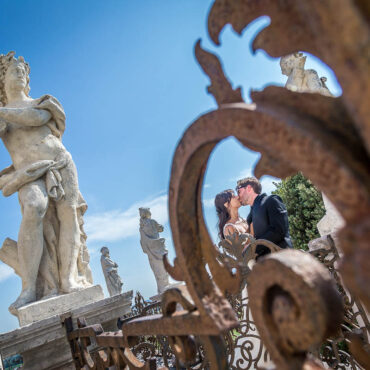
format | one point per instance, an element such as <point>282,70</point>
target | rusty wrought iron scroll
<point>293,299</point>
<point>337,130</point>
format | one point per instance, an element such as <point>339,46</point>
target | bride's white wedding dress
<point>249,352</point>
<point>241,226</point>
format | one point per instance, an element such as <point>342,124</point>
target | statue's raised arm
<point>50,255</point>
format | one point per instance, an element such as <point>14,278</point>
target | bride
<point>248,346</point>
<point>229,222</point>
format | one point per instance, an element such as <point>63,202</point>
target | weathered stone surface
<point>300,79</point>
<point>154,247</point>
<point>50,255</point>
<point>43,344</point>
<point>110,271</point>
<point>332,221</point>
<point>40,310</point>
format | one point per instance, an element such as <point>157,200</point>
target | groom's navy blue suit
<point>270,222</point>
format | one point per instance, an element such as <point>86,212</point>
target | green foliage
<point>305,208</point>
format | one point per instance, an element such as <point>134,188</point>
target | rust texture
<point>347,349</point>
<point>293,298</point>
<point>175,270</point>
<point>221,87</point>
<point>338,33</point>
<point>295,305</point>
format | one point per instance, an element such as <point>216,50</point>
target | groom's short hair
<point>252,181</point>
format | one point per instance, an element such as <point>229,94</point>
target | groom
<point>268,214</point>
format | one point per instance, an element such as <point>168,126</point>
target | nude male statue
<point>51,238</point>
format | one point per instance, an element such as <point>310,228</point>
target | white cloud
<point>120,224</point>
<point>5,272</point>
<point>94,252</point>
<point>208,202</point>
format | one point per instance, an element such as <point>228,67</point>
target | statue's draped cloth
<point>151,243</point>
<point>11,180</point>
<point>154,247</point>
<point>113,280</point>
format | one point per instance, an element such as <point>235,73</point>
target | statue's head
<point>104,251</point>
<point>14,74</point>
<point>144,212</point>
<point>292,61</point>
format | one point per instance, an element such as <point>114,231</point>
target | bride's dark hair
<point>222,213</point>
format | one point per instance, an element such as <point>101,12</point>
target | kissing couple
<point>267,219</point>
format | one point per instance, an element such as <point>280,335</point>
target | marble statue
<point>154,247</point>
<point>50,255</point>
<point>110,270</point>
<point>300,79</point>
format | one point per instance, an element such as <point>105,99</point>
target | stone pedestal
<point>43,344</point>
<point>40,310</point>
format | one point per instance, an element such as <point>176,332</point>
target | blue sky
<point>127,78</point>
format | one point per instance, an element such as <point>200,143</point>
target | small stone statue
<point>112,279</point>
<point>154,247</point>
<point>300,79</point>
